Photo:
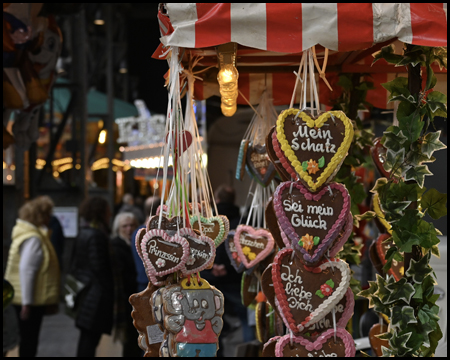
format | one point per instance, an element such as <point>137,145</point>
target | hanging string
<point>324,66</point>
<point>333,312</point>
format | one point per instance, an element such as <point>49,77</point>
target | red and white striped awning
<point>294,27</point>
<point>272,36</point>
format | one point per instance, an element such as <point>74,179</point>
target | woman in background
<point>92,266</point>
<point>124,225</point>
<point>33,271</point>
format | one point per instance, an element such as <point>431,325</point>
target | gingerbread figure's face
<point>198,305</point>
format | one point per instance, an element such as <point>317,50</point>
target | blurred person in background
<point>150,206</point>
<point>33,271</point>
<point>223,275</point>
<point>57,238</point>
<point>129,206</point>
<point>92,266</point>
<point>125,282</point>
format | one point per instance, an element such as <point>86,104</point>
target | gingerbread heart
<point>375,342</point>
<point>315,148</point>
<point>242,156</point>
<point>378,153</point>
<point>267,285</point>
<point>214,227</point>
<point>380,219</point>
<point>232,253</point>
<point>324,346</point>
<point>265,321</point>
<point>307,295</point>
<point>249,289</point>
<point>259,164</point>
<point>252,245</point>
<point>201,251</point>
<point>269,347</point>
<point>163,254</point>
<point>397,267</point>
<point>343,313</point>
<point>272,224</point>
<point>282,173</point>
<point>180,141</point>
<point>171,225</point>
<point>311,221</point>
<point>342,237</point>
<point>283,160</point>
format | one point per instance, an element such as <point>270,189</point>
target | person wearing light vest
<point>33,271</point>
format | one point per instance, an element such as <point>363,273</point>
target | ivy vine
<point>410,303</point>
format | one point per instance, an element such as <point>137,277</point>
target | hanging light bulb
<point>228,77</point>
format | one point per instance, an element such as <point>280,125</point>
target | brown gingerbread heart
<point>259,164</point>
<point>397,267</point>
<point>272,224</point>
<point>169,225</point>
<point>378,153</point>
<point>282,172</point>
<point>375,342</point>
<point>249,289</point>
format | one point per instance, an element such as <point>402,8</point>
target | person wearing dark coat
<point>92,266</point>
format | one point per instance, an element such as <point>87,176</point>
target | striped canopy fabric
<point>271,38</point>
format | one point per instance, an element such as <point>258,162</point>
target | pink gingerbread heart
<point>252,245</point>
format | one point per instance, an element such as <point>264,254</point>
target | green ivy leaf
<point>379,307</point>
<point>379,185</point>
<point>435,251</point>
<point>419,292</point>
<point>418,270</point>
<point>418,174</point>
<point>405,109</point>
<point>393,140</point>
<point>400,290</point>
<point>366,216</point>
<point>424,330</point>
<point>435,203</point>
<point>417,157</point>
<point>394,208</point>
<point>427,233</point>
<point>427,315</point>
<point>387,53</point>
<point>411,126</point>
<point>431,143</point>
<point>402,316</point>
<point>345,82</point>
<point>367,293</point>
<point>434,338</point>
<point>437,100</point>
<point>382,293</point>
<point>398,342</point>
<point>393,160</point>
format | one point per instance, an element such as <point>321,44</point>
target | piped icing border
<point>335,161</point>
<point>317,344</point>
<point>253,233</point>
<point>222,234</point>
<point>279,153</point>
<point>342,239</point>
<point>288,229</point>
<point>324,308</point>
<point>191,233</point>
<point>240,166</point>
<point>150,269</point>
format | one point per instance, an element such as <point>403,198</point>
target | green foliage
<point>410,302</point>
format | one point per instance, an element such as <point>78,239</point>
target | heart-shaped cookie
<point>378,153</point>
<point>397,267</point>
<point>171,226</point>
<point>375,342</point>
<point>343,312</point>
<point>249,289</point>
<point>305,296</point>
<point>342,237</point>
<point>265,321</point>
<point>283,160</point>
<point>180,141</point>
<point>252,245</point>
<point>311,221</point>
<point>324,346</point>
<point>232,253</point>
<point>163,254</point>
<point>272,224</point>
<point>282,173</point>
<point>315,148</point>
<point>201,251</point>
<point>380,219</point>
<point>259,164</point>
<point>214,227</point>
<point>269,347</point>
<point>242,156</point>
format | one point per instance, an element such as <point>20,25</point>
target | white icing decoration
<point>296,294</point>
<point>154,250</point>
<point>250,242</point>
<point>314,134</point>
<point>307,221</point>
<point>322,355</point>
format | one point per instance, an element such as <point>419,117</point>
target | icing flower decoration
<point>246,250</point>
<point>307,242</point>
<point>252,256</point>
<point>325,289</point>
<point>160,263</point>
<point>313,166</point>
